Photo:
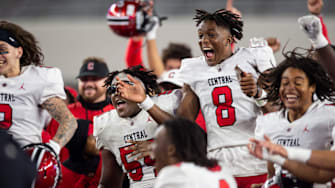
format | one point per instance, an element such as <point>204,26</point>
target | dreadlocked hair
<point>222,17</point>
<point>324,86</point>
<point>147,77</point>
<point>190,141</point>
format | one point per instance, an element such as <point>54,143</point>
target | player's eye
<point>3,52</point>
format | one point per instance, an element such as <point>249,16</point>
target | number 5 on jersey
<point>222,99</point>
<point>134,167</point>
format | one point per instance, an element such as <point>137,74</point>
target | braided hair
<point>314,71</point>
<point>224,18</point>
<point>147,77</point>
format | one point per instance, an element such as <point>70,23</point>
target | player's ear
<point>171,150</point>
<point>229,40</point>
<point>19,52</point>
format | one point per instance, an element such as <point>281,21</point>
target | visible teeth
<point>207,48</point>
<point>291,96</point>
<point>120,102</point>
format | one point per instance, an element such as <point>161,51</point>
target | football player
<point>30,93</point>
<point>180,151</point>
<point>117,129</point>
<point>303,90</point>
<point>227,99</point>
<point>81,159</point>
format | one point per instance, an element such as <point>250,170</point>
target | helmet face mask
<point>47,163</point>
<point>128,18</point>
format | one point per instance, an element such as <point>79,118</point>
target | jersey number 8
<point>222,99</point>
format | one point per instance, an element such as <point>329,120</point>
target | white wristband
<point>146,104</point>
<point>273,158</point>
<point>298,154</point>
<point>320,42</point>
<point>55,146</point>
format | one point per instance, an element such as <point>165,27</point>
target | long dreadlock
<point>147,77</point>
<point>222,17</point>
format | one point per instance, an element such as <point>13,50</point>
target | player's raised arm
<point>190,105</point>
<point>136,93</point>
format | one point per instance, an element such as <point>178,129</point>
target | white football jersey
<point>21,98</point>
<point>189,175</point>
<point>312,131</point>
<point>112,132</point>
<point>230,115</point>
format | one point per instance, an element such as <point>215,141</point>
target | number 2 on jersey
<point>222,99</point>
<point>5,116</point>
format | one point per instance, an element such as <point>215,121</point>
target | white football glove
<point>311,25</point>
<point>55,146</point>
<point>151,35</point>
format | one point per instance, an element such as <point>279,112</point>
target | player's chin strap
<point>41,145</point>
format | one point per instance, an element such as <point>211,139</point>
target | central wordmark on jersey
<point>138,135</point>
<point>219,80</point>
<point>7,97</point>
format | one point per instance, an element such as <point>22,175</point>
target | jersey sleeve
<point>98,126</point>
<point>186,73</point>
<point>171,176</point>
<point>134,53</point>
<point>259,130</point>
<point>264,58</point>
<point>54,85</point>
<point>169,101</point>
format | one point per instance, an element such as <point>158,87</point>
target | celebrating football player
<point>118,130</point>
<point>303,90</point>
<point>227,99</point>
<point>30,92</point>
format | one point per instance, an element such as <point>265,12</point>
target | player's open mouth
<point>120,103</point>
<point>209,53</point>
<point>2,62</point>
<point>291,98</point>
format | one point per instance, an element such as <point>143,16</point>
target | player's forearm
<point>67,123</point>
<point>322,159</point>
<point>159,115</point>
<point>155,61</point>
<point>308,173</point>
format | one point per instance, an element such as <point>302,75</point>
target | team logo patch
<point>90,66</point>
<point>171,74</point>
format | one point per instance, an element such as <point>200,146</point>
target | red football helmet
<point>47,163</point>
<point>127,18</point>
